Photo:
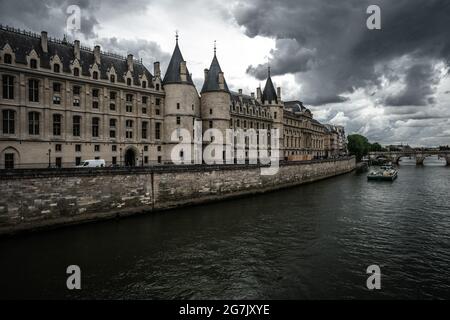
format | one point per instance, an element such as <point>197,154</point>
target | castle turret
<point>182,104</point>
<point>215,99</point>
<point>270,99</point>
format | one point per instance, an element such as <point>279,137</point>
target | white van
<point>92,163</point>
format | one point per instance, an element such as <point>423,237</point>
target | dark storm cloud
<point>347,55</point>
<point>419,87</point>
<point>51,15</point>
<point>149,51</point>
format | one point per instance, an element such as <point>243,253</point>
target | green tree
<point>376,147</point>
<point>358,146</point>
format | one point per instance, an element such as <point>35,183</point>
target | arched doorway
<point>130,158</point>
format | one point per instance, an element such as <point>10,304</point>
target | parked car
<point>92,163</point>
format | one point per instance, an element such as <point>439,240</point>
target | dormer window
<point>157,86</point>
<point>144,84</point>
<point>33,64</point>
<point>128,82</point>
<point>76,72</point>
<point>112,78</point>
<point>8,58</point>
<point>56,68</point>
<point>95,75</point>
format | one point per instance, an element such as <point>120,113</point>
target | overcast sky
<point>391,85</point>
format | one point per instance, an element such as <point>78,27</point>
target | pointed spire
<point>269,93</point>
<point>214,79</point>
<point>176,36</point>
<point>173,72</point>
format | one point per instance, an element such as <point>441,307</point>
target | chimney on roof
<point>253,95</point>
<point>206,73</point>
<point>130,62</point>
<point>156,69</point>
<point>97,54</point>
<point>279,93</point>
<point>240,92</point>
<point>76,49</point>
<point>221,81</point>
<point>258,93</point>
<point>44,41</point>
<point>183,71</point>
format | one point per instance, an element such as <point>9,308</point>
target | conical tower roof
<point>173,70</point>
<point>212,79</point>
<point>269,93</point>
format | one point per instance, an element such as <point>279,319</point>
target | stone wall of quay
<point>35,199</point>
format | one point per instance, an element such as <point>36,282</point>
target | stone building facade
<point>62,103</point>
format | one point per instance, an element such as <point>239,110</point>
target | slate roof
<point>212,79</point>
<point>269,93</point>
<point>22,43</point>
<point>173,70</point>
<point>246,99</point>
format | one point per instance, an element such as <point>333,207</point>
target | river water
<point>309,242</point>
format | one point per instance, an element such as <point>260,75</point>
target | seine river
<point>310,242</point>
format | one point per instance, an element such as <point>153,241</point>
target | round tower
<point>181,106</point>
<point>215,102</point>
<point>272,99</point>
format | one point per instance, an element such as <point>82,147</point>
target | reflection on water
<point>308,242</point>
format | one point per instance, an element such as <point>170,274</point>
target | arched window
<point>56,68</point>
<point>128,82</point>
<point>112,78</point>
<point>76,72</point>
<point>95,75</point>
<point>157,86</point>
<point>144,84</point>
<point>9,119</point>
<point>7,58</point>
<point>33,123</point>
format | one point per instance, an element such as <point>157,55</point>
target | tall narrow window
<point>95,127</point>
<point>56,124</point>
<point>33,63</point>
<point>129,129</point>
<point>8,121</point>
<point>95,75</point>
<point>112,78</point>
<point>76,126</point>
<point>144,129</point>
<point>33,123</point>
<point>8,86</point>
<point>9,160</point>
<point>112,128</point>
<point>33,90</point>
<point>158,130</point>
<point>56,68</point>
<point>7,58</point>
<point>128,82</point>
<point>144,84</point>
<point>76,72</point>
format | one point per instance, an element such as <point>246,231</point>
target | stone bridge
<point>419,155</point>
